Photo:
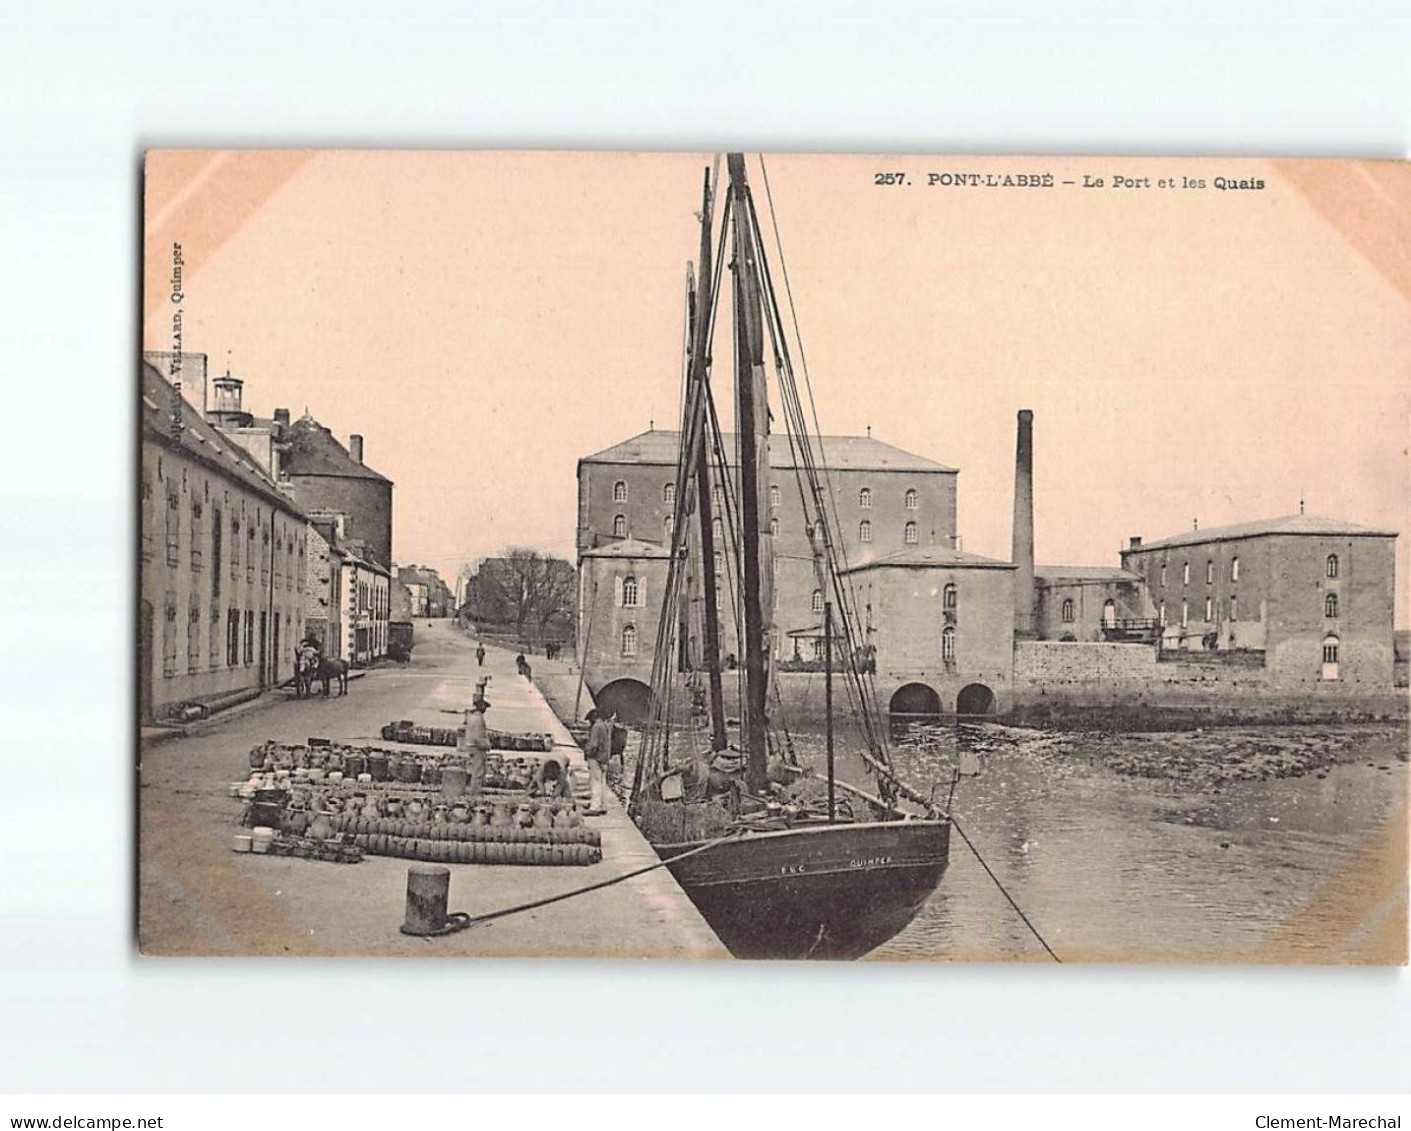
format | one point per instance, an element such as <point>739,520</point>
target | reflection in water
<point>1115,867</point>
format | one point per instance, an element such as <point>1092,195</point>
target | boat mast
<point>697,390</point>
<point>828,701</point>
<point>752,403</point>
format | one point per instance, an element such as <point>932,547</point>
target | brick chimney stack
<point>281,416</point>
<point>1023,545</point>
<point>355,447</point>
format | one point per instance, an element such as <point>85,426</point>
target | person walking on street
<point>597,752</point>
<point>480,655</point>
<point>476,741</point>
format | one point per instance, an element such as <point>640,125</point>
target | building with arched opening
<point>937,619</point>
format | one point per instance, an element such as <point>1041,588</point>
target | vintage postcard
<point>690,555</point>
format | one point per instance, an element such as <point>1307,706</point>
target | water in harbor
<point>1215,858</point>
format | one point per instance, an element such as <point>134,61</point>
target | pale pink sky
<point>485,319</point>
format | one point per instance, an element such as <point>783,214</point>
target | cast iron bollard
<point>428,892</point>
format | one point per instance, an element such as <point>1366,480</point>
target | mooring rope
<point>1017,910</point>
<point>476,920</point>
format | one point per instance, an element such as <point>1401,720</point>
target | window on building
<point>1210,573</point>
<point>1330,657</point>
<point>717,527</point>
<point>1161,615</point>
<point>629,640</point>
<point>774,527</point>
<point>717,495</point>
<point>173,523</point>
<point>232,638</point>
<point>1185,613</point>
<point>818,600</point>
<point>864,498</point>
<point>948,597</point>
<point>1234,569</point>
<point>249,636</point>
<point>668,494</point>
<point>217,546</point>
<point>911,499</point>
<point>619,526</point>
<point>196,530</point>
<point>629,592</point>
<point>193,635</point>
<point>668,526</point>
<point>948,644</point>
<point>148,518</point>
<point>1067,610</point>
<point>1332,568</point>
<point>1163,575</point>
<point>169,636</point>
<point>619,492</point>
<point>1109,613</point>
<point>864,530</point>
<point>1330,605</point>
<point>910,534</point>
<point>214,642</point>
<point>1209,609</point>
<point>1186,573</point>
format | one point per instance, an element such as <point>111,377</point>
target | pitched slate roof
<point>313,451</point>
<point>201,441</point>
<point>1310,524</point>
<point>843,453</point>
<point>628,548</point>
<point>931,557</point>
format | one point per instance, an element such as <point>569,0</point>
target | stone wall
<point>1062,683</point>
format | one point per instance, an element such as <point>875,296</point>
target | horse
<point>327,670</point>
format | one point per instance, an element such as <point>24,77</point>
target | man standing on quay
<point>476,739</point>
<point>597,752</point>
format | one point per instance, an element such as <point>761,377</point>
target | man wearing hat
<point>597,751</point>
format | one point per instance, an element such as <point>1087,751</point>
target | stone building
<point>888,500</point>
<point>323,584</point>
<point>620,586</point>
<point>327,476</point>
<point>365,605</point>
<point>430,596</point>
<point>223,563</point>
<point>941,622</point>
<point>1089,603</point>
<point>1314,595</point>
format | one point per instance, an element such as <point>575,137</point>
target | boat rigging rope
<point>459,920</point>
<point>1017,910</point>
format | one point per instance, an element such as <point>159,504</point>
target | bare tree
<point>523,588</point>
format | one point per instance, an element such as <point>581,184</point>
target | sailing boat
<point>775,873</point>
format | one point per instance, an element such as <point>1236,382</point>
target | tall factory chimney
<point>355,447</point>
<point>1023,546</point>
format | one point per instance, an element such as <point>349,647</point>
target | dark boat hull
<point>820,891</point>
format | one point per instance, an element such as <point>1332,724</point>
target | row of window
<point>1331,609</point>
<point>288,548</point>
<point>1331,569</point>
<point>910,499</point>
<point>239,637</point>
<point>911,533</point>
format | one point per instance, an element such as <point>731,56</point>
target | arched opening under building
<point>975,699</point>
<point>914,703</point>
<point>629,699</point>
